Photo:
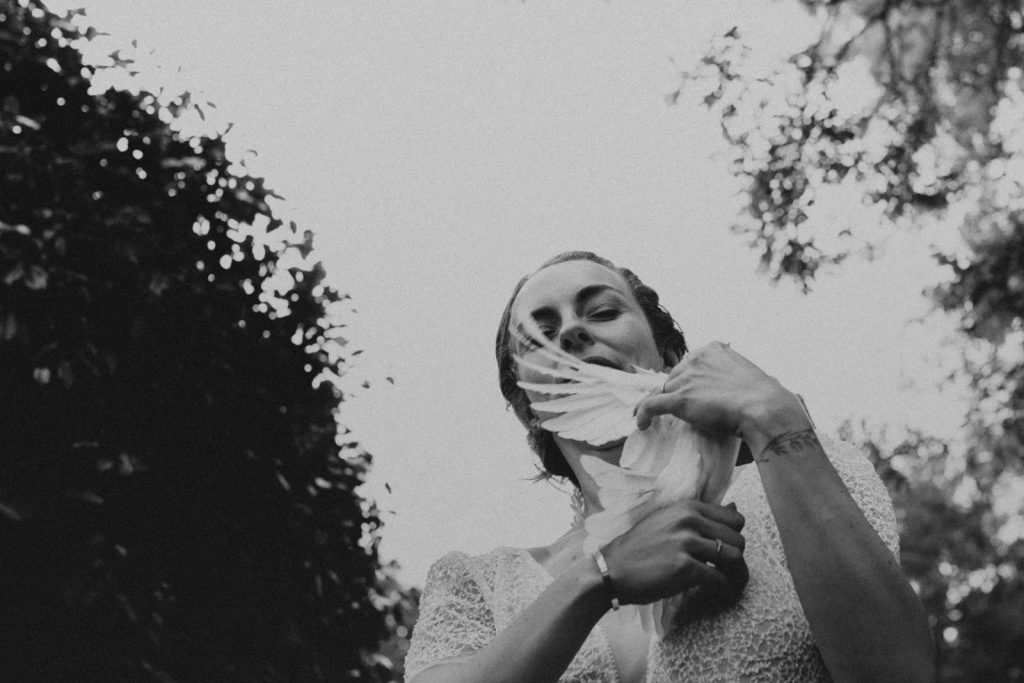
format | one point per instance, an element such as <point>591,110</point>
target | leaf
<point>27,122</point>
<point>19,228</point>
<point>65,373</point>
<point>36,278</point>
<point>191,162</point>
<point>14,274</point>
<point>8,327</point>
<point>9,512</point>
<point>91,32</point>
<point>86,497</point>
<point>159,283</point>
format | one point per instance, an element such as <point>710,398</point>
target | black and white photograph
<point>512,340</point>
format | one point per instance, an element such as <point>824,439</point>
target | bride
<point>796,578</point>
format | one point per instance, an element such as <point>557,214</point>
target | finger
<point>710,588</point>
<point>709,577</point>
<point>729,560</point>
<point>679,368</point>
<point>658,404</point>
<point>712,597</point>
<point>719,553</point>
<point>702,544</point>
<point>723,514</point>
<point>715,531</point>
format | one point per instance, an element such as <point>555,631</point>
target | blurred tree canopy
<point>915,109</point>
<point>177,495</point>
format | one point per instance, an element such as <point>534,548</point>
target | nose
<point>574,338</point>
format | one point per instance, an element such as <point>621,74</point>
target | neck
<point>573,451</point>
<point>584,504</point>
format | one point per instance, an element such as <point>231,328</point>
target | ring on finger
<point>718,548</point>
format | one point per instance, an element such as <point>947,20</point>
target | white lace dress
<point>765,637</point>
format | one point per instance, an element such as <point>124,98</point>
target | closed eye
<point>604,314</point>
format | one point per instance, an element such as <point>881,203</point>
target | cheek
<point>645,349</point>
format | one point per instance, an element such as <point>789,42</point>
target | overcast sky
<point>442,150</point>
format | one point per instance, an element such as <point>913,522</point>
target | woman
<point>790,581</point>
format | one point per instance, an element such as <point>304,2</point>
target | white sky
<point>442,150</point>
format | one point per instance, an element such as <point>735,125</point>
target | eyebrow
<point>582,297</point>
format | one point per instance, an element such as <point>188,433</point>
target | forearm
<point>864,616</point>
<point>541,641</point>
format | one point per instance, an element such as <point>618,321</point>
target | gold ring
<point>663,386</point>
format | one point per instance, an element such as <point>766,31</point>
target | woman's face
<point>590,312</point>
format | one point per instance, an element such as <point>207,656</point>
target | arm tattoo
<point>789,444</point>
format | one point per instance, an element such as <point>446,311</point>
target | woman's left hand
<point>719,391</point>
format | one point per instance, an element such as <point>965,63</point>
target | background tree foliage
<point>177,496</point>
<point>917,108</point>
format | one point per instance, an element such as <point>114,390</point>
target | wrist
<point>590,585</point>
<point>609,585</point>
<point>778,414</point>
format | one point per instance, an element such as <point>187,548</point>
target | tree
<point>969,579</point>
<point>917,109</point>
<point>178,499</point>
<point>915,104</point>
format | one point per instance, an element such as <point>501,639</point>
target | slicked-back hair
<point>668,338</point>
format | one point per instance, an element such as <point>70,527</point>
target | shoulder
<point>854,467</point>
<point>455,617</point>
<point>843,452</point>
<point>452,562</point>
<point>458,567</point>
<point>456,591</point>
<point>456,559</point>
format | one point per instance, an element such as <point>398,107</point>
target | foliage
<point>917,109</point>
<point>916,104</point>
<point>177,496</point>
<point>968,576</point>
<point>402,615</point>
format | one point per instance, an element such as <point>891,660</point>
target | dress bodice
<point>764,637</point>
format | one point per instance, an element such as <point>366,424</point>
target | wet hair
<point>668,338</point>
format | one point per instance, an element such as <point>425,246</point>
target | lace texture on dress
<point>766,637</point>
<point>467,600</point>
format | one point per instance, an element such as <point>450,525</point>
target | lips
<point>597,360</point>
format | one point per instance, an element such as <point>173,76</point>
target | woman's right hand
<point>674,549</point>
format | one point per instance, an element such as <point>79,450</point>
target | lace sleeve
<point>454,618</point>
<point>866,487</point>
